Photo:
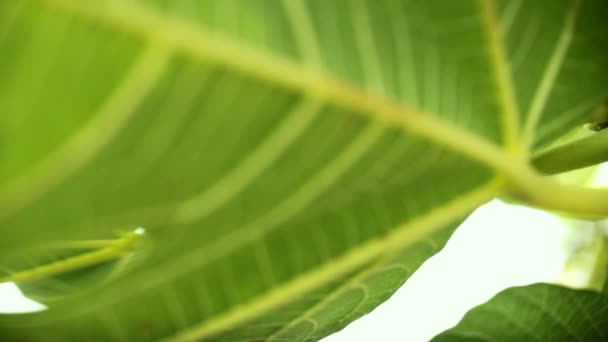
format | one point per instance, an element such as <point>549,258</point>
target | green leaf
<point>292,162</point>
<point>539,312</point>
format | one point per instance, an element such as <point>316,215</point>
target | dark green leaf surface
<point>539,312</point>
<point>292,162</point>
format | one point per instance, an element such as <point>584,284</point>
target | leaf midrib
<point>201,45</point>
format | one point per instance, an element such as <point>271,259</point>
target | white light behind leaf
<point>499,246</point>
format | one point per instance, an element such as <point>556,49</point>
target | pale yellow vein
<point>543,91</point>
<point>91,138</point>
<point>367,47</point>
<point>509,14</point>
<point>285,209</point>
<point>402,237</point>
<point>294,203</point>
<point>199,44</point>
<point>332,296</point>
<point>266,153</point>
<point>503,78</point>
<point>304,32</point>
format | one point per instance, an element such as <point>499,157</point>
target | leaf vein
<point>408,234</point>
<point>197,43</point>
<point>84,146</point>
<point>549,77</point>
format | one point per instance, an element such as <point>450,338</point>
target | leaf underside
<point>276,207</point>
<point>539,312</point>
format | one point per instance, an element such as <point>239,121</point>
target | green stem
<point>578,154</point>
<point>526,185</point>
<point>549,194</point>
<point>118,248</point>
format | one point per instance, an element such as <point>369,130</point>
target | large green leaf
<point>293,162</point>
<point>540,312</point>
